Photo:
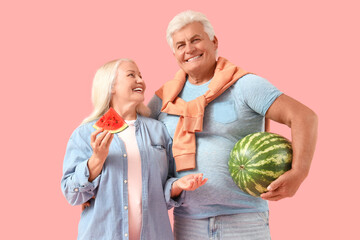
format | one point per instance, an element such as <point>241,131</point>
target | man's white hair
<point>185,18</point>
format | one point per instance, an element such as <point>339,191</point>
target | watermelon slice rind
<point>111,121</point>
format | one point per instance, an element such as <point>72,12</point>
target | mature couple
<point>129,180</point>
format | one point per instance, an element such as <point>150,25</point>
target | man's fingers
<point>272,197</point>
<point>271,194</point>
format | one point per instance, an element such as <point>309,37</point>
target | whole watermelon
<point>258,159</point>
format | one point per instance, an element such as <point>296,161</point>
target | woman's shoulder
<point>153,124</point>
<point>156,129</point>
<point>84,130</point>
<point>150,121</point>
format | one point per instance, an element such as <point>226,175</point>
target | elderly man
<point>208,106</point>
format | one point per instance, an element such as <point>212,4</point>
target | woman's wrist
<point>175,189</point>
<point>95,166</point>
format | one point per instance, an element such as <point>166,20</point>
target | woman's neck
<point>127,112</point>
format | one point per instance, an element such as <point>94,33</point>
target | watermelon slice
<point>111,121</point>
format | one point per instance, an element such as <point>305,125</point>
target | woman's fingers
<point>107,140</point>
<point>85,205</point>
<point>191,182</point>
<point>203,182</point>
<point>100,138</point>
<point>94,134</point>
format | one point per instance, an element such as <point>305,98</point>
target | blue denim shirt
<point>107,216</point>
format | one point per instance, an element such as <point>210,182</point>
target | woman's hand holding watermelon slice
<point>100,143</point>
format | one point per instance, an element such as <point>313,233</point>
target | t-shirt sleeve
<point>155,105</point>
<point>256,92</point>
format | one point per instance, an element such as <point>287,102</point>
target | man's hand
<point>285,186</point>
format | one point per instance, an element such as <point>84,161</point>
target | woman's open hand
<point>188,183</point>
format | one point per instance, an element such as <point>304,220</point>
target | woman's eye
<point>131,75</point>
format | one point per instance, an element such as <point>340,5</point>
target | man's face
<point>194,51</point>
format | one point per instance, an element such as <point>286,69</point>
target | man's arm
<point>303,123</point>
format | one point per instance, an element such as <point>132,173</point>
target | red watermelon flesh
<point>111,121</point>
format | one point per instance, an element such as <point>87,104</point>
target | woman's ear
<point>215,41</point>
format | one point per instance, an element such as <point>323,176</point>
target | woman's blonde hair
<point>103,83</point>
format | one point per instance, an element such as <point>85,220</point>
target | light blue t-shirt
<point>239,111</point>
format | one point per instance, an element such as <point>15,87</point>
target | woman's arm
<point>187,183</point>
<point>80,176</point>
<point>100,146</point>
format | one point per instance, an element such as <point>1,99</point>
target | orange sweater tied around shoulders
<point>191,113</point>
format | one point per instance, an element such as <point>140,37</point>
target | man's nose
<point>189,48</point>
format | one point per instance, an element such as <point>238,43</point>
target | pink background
<point>50,51</point>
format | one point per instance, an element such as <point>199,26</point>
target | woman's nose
<point>139,79</point>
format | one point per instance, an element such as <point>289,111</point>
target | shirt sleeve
<point>173,202</point>
<point>178,201</point>
<point>155,105</point>
<point>256,92</point>
<point>74,183</point>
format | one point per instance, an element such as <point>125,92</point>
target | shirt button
<point>125,181</point>
<point>76,189</point>
<point>126,234</point>
<point>124,155</point>
<point>125,207</point>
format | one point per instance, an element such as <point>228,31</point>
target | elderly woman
<point>123,175</point>
<point>208,106</point>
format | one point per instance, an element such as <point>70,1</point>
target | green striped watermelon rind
<point>258,159</point>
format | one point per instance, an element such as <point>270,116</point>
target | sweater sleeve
<point>74,183</point>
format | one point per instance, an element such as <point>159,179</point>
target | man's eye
<point>196,40</point>
<point>180,46</point>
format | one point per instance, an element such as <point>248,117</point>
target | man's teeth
<point>191,59</point>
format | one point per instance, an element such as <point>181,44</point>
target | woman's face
<point>129,87</point>
<point>194,51</point>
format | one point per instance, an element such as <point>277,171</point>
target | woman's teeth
<point>137,89</point>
